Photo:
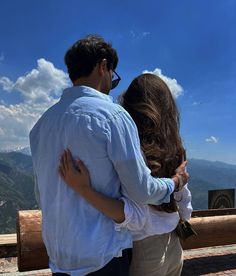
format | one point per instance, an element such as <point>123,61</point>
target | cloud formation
<point>139,36</point>
<point>196,103</point>
<point>175,88</point>
<point>6,84</point>
<point>212,140</point>
<point>39,89</point>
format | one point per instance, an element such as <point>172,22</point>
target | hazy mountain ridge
<point>24,150</point>
<point>207,175</point>
<point>16,188</point>
<point>17,184</point>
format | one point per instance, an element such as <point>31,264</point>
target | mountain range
<point>16,188</point>
<point>17,184</point>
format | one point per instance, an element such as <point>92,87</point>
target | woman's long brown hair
<point>152,107</point>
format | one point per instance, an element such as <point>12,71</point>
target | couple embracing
<point>110,178</point>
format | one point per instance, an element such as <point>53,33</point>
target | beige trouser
<point>159,255</point>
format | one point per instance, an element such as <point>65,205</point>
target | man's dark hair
<point>83,56</point>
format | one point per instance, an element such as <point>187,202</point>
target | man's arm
<point>125,153</point>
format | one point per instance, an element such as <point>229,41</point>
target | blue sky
<point>192,42</point>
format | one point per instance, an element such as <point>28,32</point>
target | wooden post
<point>32,253</point>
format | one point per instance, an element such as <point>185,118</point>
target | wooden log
<point>8,245</point>
<point>32,253</point>
<point>214,212</point>
<point>212,230</point>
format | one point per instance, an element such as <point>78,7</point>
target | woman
<point>156,248</point>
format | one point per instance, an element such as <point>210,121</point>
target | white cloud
<point>212,140</point>
<point>40,85</point>
<point>2,132</point>
<point>196,103</point>
<point>138,36</point>
<point>144,34</point>
<point>175,88</point>
<point>39,89</point>
<point>132,33</point>
<point>6,84</point>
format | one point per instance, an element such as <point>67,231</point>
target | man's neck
<point>87,81</point>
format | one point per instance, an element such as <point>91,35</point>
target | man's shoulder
<point>98,108</point>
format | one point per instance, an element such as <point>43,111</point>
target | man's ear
<point>102,67</point>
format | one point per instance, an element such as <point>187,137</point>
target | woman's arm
<point>183,199</point>
<point>77,177</point>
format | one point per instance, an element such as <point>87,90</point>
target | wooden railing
<point>214,228</point>
<point>8,246</point>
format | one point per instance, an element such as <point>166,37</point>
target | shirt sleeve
<point>124,151</point>
<point>135,217</point>
<point>183,199</point>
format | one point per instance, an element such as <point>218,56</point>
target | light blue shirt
<point>79,239</point>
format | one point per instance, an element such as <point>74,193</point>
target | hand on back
<point>74,173</point>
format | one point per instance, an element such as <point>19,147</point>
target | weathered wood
<point>33,260</point>
<point>212,231</point>
<point>214,212</point>
<point>32,253</point>
<point>8,246</point>
<point>8,239</point>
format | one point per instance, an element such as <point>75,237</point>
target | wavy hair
<point>152,107</point>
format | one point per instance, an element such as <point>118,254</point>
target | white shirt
<point>144,221</point>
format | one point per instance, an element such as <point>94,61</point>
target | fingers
<point>183,164</point>
<point>66,159</point>
<point>61,172</point>
<point>68,166</point>
<point>182,167</point>
<point>184,177</point>
<point>68,156</point>
<point>63,162</point>
<point>83,169</point>
<point>62,168</point>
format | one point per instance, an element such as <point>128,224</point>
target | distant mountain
<point>16,188</point>
<point>24,150</point>
<point>207,175</point>
<point>17,184</point>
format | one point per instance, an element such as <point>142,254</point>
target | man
<point>79,239</point>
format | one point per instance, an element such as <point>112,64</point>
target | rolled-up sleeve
<point>124,150</point>
<point>135,217</point>
<point>183,199</point>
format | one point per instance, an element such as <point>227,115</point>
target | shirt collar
<point>84,91</point>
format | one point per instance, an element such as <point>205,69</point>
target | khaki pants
<point>159,255</point>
